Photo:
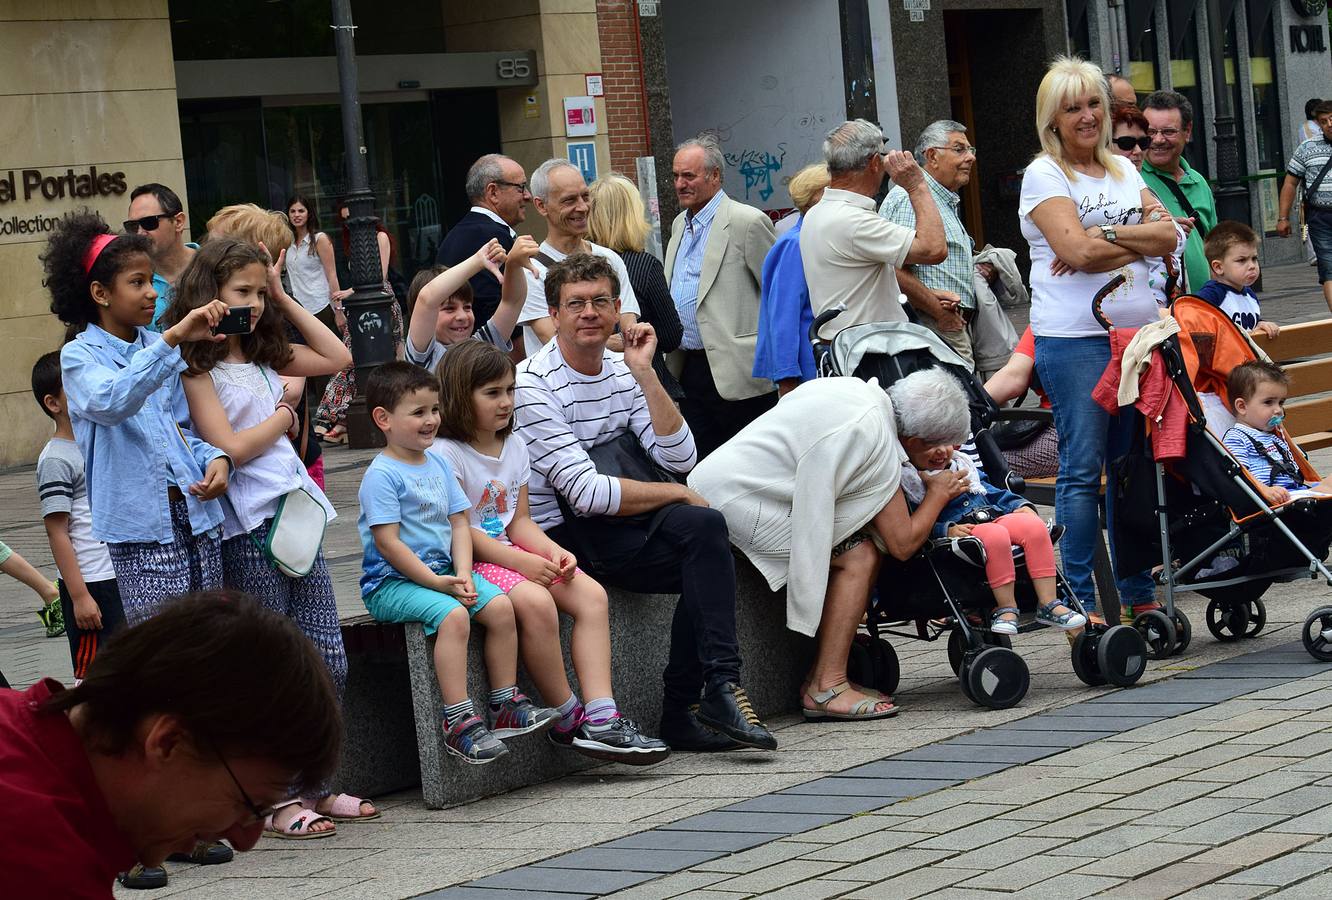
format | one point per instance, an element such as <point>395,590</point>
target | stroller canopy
<point>1211,345</point>
<point>851,345</point>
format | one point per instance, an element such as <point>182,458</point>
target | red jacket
<point>1165,410</point>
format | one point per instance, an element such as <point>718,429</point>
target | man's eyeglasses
<point>1168,133</point>
<point>260,813</point>
<point>1127,142</point>
<point>959,149</point>
<point>147,223</point>
<point>520,185</point>
<point>600,304</point>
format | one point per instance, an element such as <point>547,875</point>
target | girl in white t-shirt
<point>512,552</point>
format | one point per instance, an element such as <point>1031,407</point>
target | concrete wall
<point>82,83</point>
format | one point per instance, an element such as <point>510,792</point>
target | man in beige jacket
<point>714,264</point>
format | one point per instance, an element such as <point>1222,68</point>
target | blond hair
<point>252,223</point>
<point>616,219</point>
<point>805,185</point>
<point>1069,77</point>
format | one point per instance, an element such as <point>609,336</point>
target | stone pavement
<point>1067,815</point>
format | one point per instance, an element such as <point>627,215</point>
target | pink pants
<point>999,536</point>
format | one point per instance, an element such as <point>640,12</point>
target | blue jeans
<point>1069,369</point>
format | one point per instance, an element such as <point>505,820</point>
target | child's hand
<point>87,615</point>
<point>959,530</point>
<point>275,273</point>
<point>538,570</point>
<point>1274,494</point>
<point>565,560</point>
<point>458,587</point>
<point>198,325</point>
<point>491,257</point>
<point>524,248</point>
<point>214,482</point>
<point>1266,329</point>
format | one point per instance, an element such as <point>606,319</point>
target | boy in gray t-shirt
<point>89,596</point>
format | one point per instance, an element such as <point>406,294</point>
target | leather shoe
<point>143,877</point>
<point>205,853</point>
<point>681,730</point>
<point>726,707</point>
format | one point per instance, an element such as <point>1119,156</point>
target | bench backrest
<point>1305,352</point>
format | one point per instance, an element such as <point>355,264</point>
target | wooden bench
<point>1305,352</point>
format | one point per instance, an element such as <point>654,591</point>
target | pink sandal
<point>344,808</point>
<point>298,829</point>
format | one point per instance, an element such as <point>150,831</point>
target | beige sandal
<point>298,829</point>
<point>863,710</point>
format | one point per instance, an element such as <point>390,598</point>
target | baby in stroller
<point>1258,392</point>
<point>996,517</point>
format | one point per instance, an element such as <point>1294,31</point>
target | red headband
<point>95,250</point>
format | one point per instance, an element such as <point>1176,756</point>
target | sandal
<point>1068,619</point>
<point>298,829</point>
<point>1001,625</point>
<point>335,435</point>
<point>865,709</point>
<point>343,807</point>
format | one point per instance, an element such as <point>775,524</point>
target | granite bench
<point>393,707</point>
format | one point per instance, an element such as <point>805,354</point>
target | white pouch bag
<point>296,534</point>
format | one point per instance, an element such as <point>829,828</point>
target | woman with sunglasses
<point>1130,138</point>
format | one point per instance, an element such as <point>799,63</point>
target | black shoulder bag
<point>1313,188</point>
<point>1175,189</point>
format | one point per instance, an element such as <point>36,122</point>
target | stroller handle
<point>822,319</point>
<point>1106,290</point>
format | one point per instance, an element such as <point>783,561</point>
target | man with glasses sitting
<point>1308,168</point>
<point>156,211</point>
<point>1183,190</point>
<point>945,297</point>
<point>497,187</point>
<point>575,402</point>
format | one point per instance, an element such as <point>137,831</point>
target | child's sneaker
<point>472,742</point>
<point>53,619</point>
<point>519,715</point>
<point>615,740</point>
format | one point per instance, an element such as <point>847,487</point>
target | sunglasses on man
<point>1127,142</point>
<point>147,223</point>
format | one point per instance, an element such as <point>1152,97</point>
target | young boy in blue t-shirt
<point>418,564</point>
<point>1232,253</point>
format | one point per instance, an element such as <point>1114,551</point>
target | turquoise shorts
<point>400,600</point>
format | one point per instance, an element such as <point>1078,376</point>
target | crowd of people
<point>563,417</point>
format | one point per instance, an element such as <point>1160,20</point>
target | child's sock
<point>601,710</point>
<point>499,696</point>
<point>456,712</point>
<point>571,712</point>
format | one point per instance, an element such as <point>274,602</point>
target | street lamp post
<point>1232,197</point>
<point>369,308</point>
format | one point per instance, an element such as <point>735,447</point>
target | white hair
<point>539,183</point>
<point>850,146</point>
<point>936,135</point>
<point>712,152</point>
<point>931,405</point>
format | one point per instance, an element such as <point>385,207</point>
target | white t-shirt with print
<point>534,307</point>
<point>492,485</point>
<point>1061,304</point>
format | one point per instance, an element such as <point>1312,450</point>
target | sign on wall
<point>20,189</point>
<point>583,154</point>
<point>580,116</point>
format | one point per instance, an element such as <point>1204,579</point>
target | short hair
<point>1310,105</point>
<point>930,405</point>
<point>484,172</point>
<point>467,366</point>
<point>575,268</point>
<point>279,703</point>
<point>805,185</point>
<point>46,379</point>
<point>1171,100</point>
<point>539,183</point>
<point>1068,77</point>
<point>427,275</point>
<point>712,152</point>
<point>617,219</point>
<point>388,384</point>
<point>1227,234</point>
<point>1323,108</point>
<point>166,197</point>
<point>1245,379</point>
<point>850,146</point>
<point>934,135</point>
<point>1127,114</point>
<point>254,224</point>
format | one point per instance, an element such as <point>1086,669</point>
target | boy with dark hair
<point>1231,249</point>
<point>418,564</point>
<point>89,596</point>
<point>1257,396</point>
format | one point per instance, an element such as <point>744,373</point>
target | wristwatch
<point>1109,232</point>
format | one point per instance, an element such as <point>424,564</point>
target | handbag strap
<point>1317,182</point>
<point>1175,189</point>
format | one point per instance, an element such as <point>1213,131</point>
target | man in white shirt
<point>850,253</point>
<point>561,198</point>
<point>648,536</point>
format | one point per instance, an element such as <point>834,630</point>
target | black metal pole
<point>369,309</point>
<point>1232,197</point>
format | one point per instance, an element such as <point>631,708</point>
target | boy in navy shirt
<point>1232,253</point>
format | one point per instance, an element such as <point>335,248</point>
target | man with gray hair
<point>948,300</point>
<point>850,253</point>
<point>714,264</point>
<point>497,187</point>
<point>1184,191</point>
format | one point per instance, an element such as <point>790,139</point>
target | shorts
<point>1320,235</point>
<point>83,645</point>
<point>400,600</point>
<point>505,579</point>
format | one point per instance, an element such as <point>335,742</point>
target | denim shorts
<point>400,600</point>
<point>1320,235</point>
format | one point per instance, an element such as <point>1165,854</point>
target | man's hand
<point>1188,224</point>
<point>903,169</point>
<point>214,482</point>
<point>1283,226</point>
<point>640,342</point>
<point>538,570</point>
<point>87,615</point>
<point>692,497</point>
<point>986,271</point>
<point>458,587</point>
<point>950,315</point>
<point>1266,329</point>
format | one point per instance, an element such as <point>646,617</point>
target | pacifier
<point>1274,422</point>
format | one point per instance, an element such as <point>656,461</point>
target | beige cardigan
<point>800,479</point>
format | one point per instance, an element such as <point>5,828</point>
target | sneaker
<point>519,715</point>
<point>472,742</point>
<point>52,619</point>
<point>615,740</point>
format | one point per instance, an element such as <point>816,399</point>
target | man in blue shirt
<point>156,210</point>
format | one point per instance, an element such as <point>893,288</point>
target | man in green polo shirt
<point>1183,190</point>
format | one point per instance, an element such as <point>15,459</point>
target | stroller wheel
<point>1158,632</point>
<point>995,677</point>
<point>1318,634</point>
<point>1257,618</point>
<point>957,645</point>
<point>1183,632</point>
<point>1085,664</point>
<point>1121,655</point>
<point>884,666</point>
<point>1227,621</point>
<point>859,666</point>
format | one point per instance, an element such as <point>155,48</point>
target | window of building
<point>1144,68</point>
<point>258,29</point>
<point>1266,100</point>
<point>1232,82</point>
<point>1079,30</point>
<point>1183,20</point>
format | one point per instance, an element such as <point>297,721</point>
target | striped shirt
<point>954,273</point>
<point>62,488</point>
<point>560,412</point>
<point>1239,441</point>
<point>1308,161</point>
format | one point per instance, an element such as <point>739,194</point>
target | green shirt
<point>1199,194</point>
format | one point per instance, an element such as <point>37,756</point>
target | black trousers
<point>713,420</point>
<point>689,552</point>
